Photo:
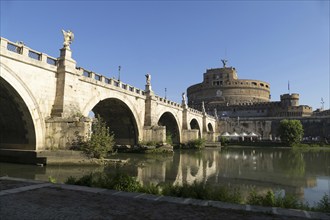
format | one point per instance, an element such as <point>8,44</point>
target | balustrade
<point>34,55</point>
<point>14,48</point>
<point>21,49</point>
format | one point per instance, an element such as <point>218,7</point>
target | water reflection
<point>306,175</point>
<point>263,169</point>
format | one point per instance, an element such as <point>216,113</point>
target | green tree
<point>291,132</point>
<point>101,142</point>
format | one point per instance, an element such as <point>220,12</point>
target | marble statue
<point>148,78</point>
<point>184,97</point>
<point>68,38</point>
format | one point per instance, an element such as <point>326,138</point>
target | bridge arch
<point>168,120</point>
<point>210,127</point>
<point>21,122</point>
<point>120,119</point>
<point>195,125</point>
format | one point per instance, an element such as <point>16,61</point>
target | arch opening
<point>172,129</point>
<point>16,124</point>
<point>210,127</point>
<point>120,120</point>
<point>194,125</point>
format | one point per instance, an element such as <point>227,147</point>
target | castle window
<point>254,83</point>
<point>261,84</point>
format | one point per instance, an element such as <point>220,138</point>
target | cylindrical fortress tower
<point>221,86</point>
<point>290,99</point>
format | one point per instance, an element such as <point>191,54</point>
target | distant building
<point>244,106</point>
<point>232,97</point>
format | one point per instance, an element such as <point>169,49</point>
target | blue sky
<point>176,41</point>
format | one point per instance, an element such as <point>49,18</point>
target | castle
<point>243,105</point>
<point>223,92</point>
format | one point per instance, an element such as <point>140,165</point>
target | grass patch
<point>194,144</point>
<point>124,182</point>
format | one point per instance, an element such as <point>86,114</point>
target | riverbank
<point>23,199</point>
<point>52,157</point>
<point>271,144</point>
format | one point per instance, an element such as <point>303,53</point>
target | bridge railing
<point>192,110</point>
<point>168,102</point>
<point>25,51</point>
<point>110,81</point>
<point>175,104</point>
<point>195,111</point>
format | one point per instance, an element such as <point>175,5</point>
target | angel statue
<point>148,78</point>
<point>224,62</point>
<point>68,38</point>
<point>184,97</point>
<point>203,107</point>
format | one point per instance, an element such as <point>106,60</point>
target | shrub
<point>194,144</point>
<point>324,204</point>
<point>226,194</point>
<point>254,198</point>
<point>287,201</point>
<point>123,182</point>
<point>224,141</point>
<point>269,199</point>
<point>51,179</point>
<point>169,138</point>
<point>148,143</point>
<point>101,142</point>
<point>291,132</point>
<point>150,189</point>
<point>196,191</point>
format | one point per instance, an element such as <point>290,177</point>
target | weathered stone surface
<point>53,98</point>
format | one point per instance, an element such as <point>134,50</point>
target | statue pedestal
<point>148,88</point>
<point>65,52</point>
<point>65,60</point>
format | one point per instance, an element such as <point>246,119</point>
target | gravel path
<point>11,184</point>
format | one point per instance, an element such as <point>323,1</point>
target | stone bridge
<point>46,103</point>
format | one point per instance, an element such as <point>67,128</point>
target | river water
<point>303,174</point>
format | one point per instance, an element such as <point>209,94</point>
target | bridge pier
<point>65,101</point>
<point>154,134</point>
<point>189,135</point>
<point>67,133</point>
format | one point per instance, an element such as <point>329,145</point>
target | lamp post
<point>119,67</point>
<point>165,92</point>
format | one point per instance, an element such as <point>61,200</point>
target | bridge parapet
<point>195,111</point>
<point>167,102</point>
<point>110,81</point>
<point>21,49</point>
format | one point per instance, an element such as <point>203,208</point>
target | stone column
<point>150,103</point>
<point>150,106</point>
<point>184,115</point>
<point>66,67</point>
